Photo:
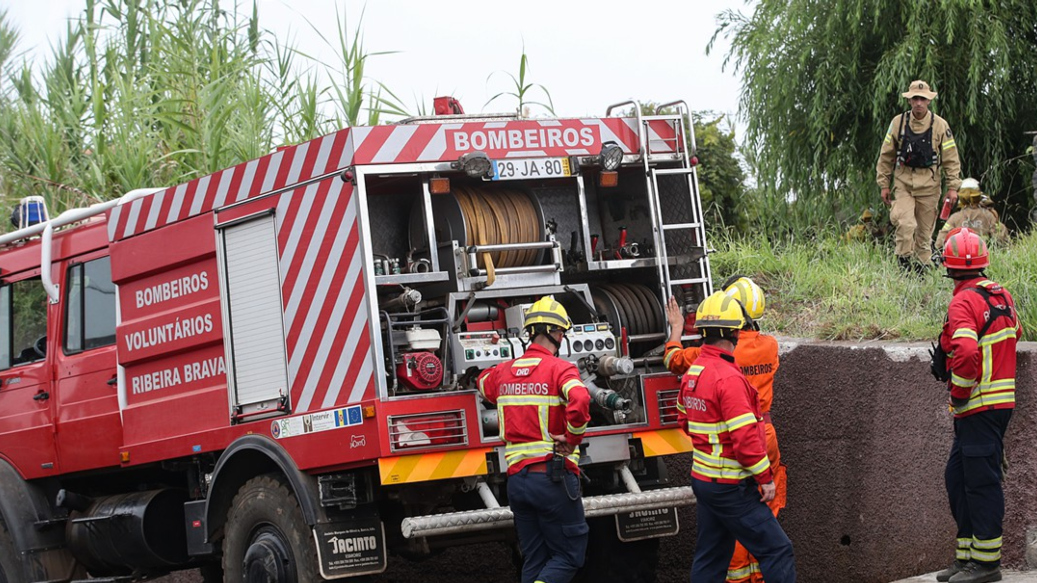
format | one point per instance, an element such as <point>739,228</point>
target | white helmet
<point>969,184</point>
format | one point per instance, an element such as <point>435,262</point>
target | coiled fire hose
<point>499,217</point>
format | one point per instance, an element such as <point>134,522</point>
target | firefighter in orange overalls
<point>757,355</point>
<point>730,471</point>
<point>544,409</point>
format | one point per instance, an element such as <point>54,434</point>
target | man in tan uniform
<point>975,215</point>
<point>918,146</point>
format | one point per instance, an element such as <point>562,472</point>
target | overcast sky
<point>587,54</point>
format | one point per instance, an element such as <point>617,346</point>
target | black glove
<point>469,377</point>
<point>938,363</point>
<point>956,402</point>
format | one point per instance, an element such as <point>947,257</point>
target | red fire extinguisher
<point>945,212</point>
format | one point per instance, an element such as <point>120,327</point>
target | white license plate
<point>526,168</point>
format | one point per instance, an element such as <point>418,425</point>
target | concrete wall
<point>865,432</point>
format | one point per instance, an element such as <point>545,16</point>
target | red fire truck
<point>263,372</point>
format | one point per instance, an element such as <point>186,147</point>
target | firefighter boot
<point>905,263</point>
<point>977,573</point>
<point>951,571</point>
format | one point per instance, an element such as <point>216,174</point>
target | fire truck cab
<point>265,372</point>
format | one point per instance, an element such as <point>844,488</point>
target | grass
<point>833,290</point>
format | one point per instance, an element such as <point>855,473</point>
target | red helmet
<point>965,250</point>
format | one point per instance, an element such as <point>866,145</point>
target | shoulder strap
<point>996,311</point>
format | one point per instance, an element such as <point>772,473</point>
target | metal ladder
<point>660,226</point>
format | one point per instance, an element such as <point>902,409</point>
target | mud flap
<point>351,548</point>
<point>645,524</point>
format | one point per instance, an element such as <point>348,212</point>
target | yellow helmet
<point>720,311</point>
<point>547,311</point>
<point>969,193</point>
<point>867,215</point>
<point>748,294</point>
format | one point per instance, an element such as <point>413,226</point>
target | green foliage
<point>829,289</point>
<point>823,78</point>
<point>157,92</point>
<point>522,88</point>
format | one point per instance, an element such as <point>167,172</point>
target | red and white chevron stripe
<point>325,313</point>
<point>382,145</point>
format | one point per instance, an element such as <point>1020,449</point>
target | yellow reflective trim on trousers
<point>986,545</point>
<point>576,429</point>
<point>948,144</point>
<point>735,574</point>
<point>740,421</point>
<point>965,333</point>
<point>999,336</point>
<point>963,554</point>
<point>964,543</point>
<point>534,400</point>
<point>986,556</point>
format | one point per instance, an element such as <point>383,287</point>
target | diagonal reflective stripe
<point>965,333</point>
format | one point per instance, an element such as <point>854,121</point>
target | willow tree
<point>822,78</point>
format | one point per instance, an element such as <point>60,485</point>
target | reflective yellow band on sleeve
<point>889,138</point>
<point>740,421</point>
<point>670,352</point>
<point>576,429</point>
<point>965,333</point>
<point>761,466</point>
<point>948,144</point>
<point>962,381</point>
<point>569,385</point>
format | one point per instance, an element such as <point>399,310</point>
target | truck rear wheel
<point>10,567</point>
<point>267,539</point>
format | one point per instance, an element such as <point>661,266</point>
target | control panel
<point>487,348</point>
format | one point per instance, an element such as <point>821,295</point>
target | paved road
<point>1009,577</point>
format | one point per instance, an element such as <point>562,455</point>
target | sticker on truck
<point>316,422</point>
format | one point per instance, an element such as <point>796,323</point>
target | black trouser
<point>973,479</point>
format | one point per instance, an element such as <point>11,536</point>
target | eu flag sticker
<point>353,413</point>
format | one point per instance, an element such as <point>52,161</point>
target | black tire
<point>10,565</point>
<point>266,538</point>
<point>610,560</point>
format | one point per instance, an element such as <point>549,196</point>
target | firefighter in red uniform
<point>544,409</point>
<point>757,355</point>
<point>731,475</point>
<point>976,358</point>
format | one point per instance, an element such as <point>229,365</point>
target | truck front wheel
<point>267,539</point>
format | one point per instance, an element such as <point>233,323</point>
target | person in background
<point>976,213</point>
<point>918,154</point>
<point>756,354</point>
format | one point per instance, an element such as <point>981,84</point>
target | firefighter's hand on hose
<point>885,196</point>
<point>767,492</point>
<point>468,378</point>
<point>562,445</point>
